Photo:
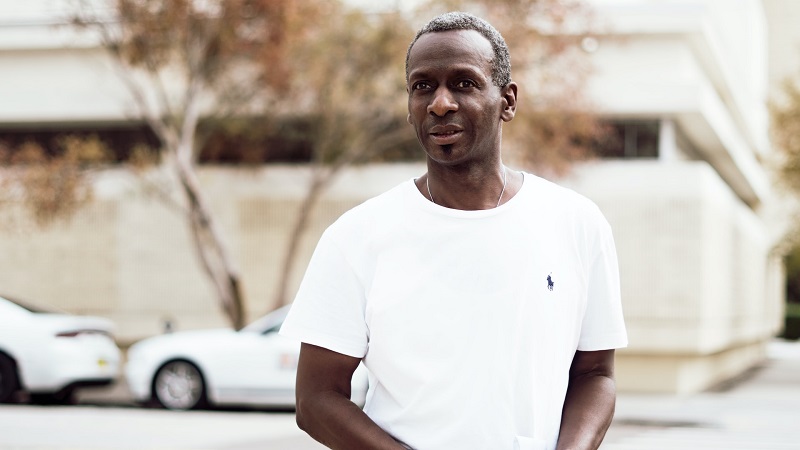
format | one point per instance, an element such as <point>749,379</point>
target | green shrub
<point>792,320</point>
<point>791,328</point>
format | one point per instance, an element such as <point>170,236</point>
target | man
<point>484,301</point>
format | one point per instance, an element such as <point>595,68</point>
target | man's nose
<point>442,102</point>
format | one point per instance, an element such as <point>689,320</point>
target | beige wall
<point>784,39</point>
<point>697,273</point>
<point>699,285</point>
<point>129,255</point>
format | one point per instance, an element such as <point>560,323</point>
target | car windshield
<point>269,323</point>
<point>30,307</point>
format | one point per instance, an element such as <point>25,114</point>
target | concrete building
<point>701,282</point>
<point>689,195</point>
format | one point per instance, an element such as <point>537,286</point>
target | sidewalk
<point>760,412</point>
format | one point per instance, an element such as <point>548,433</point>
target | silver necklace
<point>428,185</point>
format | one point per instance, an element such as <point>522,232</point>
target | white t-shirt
<point>467,320</point>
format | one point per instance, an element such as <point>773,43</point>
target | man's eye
<point>420,85</point>
<point>463,84</point>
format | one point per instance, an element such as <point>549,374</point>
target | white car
<point>201,368</point>
<point>49,355</point>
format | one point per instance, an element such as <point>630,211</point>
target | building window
<point>630,139</point>
<point>234,142</point>
<point>121,139</point>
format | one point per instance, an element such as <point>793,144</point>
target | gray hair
<point>501,63</point>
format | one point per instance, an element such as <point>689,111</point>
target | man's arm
<point>589,405</point>
<point>324,409</point>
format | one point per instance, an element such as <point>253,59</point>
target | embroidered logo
<point>550,282</point>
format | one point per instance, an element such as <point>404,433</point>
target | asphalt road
<point>106,418</point>
<point>89,427</point>
<point>757,412</point>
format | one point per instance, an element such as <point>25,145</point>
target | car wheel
<point>8,378</point>
<point>179,385</point>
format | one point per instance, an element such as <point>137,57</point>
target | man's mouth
<point>445,135</point>
<point>446,138</point>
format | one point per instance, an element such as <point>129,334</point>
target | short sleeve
<point>328,310</point>
<point>603,326</point>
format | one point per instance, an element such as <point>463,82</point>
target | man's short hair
<point>501,63</point>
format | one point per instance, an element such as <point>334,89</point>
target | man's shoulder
<point>374,211</point>
<point>560,197</point>
<point>386,202</point>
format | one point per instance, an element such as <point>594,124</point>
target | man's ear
<point>408,119</point>
<point>509,93</point>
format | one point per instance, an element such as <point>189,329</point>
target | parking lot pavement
<point>87,427</point>
<point>759,412</point>
<point>115,395</point>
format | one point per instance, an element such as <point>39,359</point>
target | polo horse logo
<point>550,282</point>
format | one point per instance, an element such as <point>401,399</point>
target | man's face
<point>455,109</point>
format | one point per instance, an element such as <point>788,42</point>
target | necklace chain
<point>499,199</point>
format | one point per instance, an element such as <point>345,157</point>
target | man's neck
<point>473,188</point>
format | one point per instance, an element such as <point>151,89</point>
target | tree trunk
<point>298,230</point>
<point>211,248</point>
<point>212,251</point>
<point>323,176</point>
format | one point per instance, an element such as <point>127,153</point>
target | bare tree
<point>354,74</point>
<point>785,115</point>
<point>786,132</point>
<point>51,182</point>
<point>343,75</point>
<point>184,61</point>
